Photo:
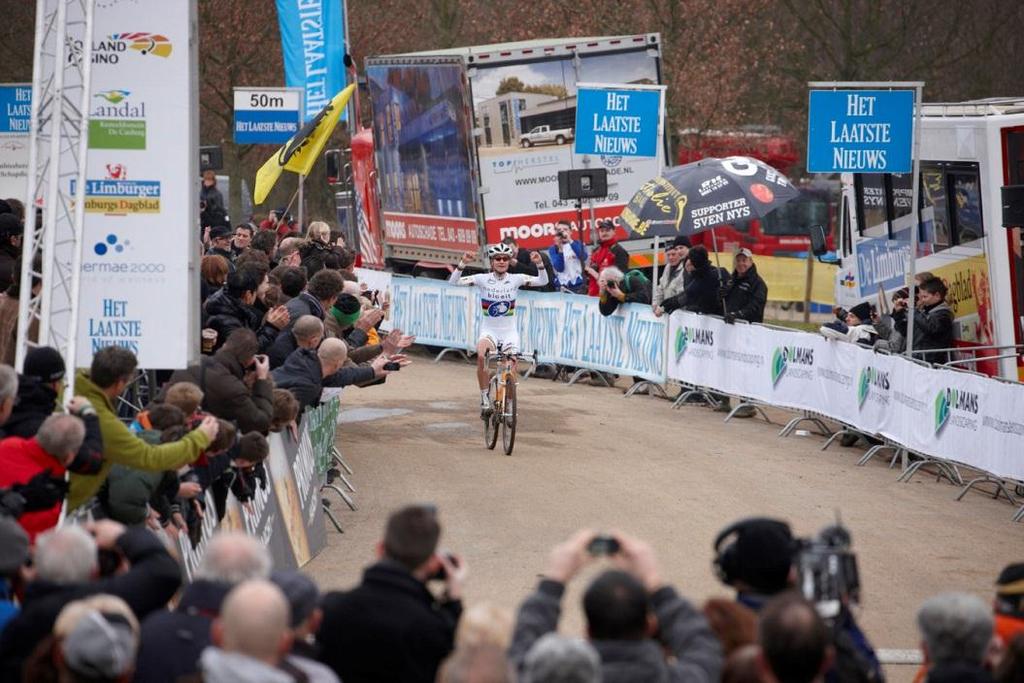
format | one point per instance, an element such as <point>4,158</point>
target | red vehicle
<point>783,232</point>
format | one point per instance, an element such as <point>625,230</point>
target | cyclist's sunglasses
<point>500,258</point>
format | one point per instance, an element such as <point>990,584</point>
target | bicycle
<point>502,392</point>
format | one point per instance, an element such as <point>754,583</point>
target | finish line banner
<point>938,412</point>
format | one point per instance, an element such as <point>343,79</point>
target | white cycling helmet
<point>499,249</point>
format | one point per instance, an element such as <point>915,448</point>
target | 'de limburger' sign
<point>617,122</point>
<point>860,131</point>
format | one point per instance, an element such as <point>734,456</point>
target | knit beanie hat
<point>346,310</point>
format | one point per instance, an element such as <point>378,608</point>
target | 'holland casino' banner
<point>313,48</point>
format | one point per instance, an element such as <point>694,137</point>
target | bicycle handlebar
<point>500,355</point>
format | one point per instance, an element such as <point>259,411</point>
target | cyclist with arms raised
<point>498,303</point>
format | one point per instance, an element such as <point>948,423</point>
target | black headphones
<point>725,561</point>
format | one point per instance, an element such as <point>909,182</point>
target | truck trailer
<point>451,171</point>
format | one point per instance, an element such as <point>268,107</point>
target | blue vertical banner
<point>313,48</point>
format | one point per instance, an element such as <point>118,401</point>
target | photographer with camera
<point>641,628</point>
<point>567,257</point>
<point>392,627</point>
<point>760,558</point>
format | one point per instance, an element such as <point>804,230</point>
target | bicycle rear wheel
<point>508,417</point>
<point>492,420</point>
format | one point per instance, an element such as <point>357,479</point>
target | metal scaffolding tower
<point>52,248</point>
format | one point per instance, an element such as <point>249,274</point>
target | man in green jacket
<point>111,371</point>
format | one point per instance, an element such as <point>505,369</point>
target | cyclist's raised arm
<point>541,278</point>
<point>456,277</point>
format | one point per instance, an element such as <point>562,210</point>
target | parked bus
<point>969,151</point>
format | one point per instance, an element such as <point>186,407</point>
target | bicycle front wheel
<point>508,418</point>
<point>491,421</point>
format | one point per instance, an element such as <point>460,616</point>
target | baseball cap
<point>99,637</point>
<point>745,252</point>
<point>607,223</point>
<point>44,363</point>
<point>680,241</point>
<point>14,541</point>
<point>301,592</point>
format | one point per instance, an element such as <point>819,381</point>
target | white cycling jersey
<point>498,302</point>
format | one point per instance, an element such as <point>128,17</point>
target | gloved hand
<point>42,491</point>
<point>730,318</point>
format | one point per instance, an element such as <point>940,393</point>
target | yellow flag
<point>301,152</point>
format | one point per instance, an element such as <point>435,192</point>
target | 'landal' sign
<point>860,131</point>
<point>617,122</point>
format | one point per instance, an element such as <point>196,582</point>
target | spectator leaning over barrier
<point>674,277</point>
<point>235,382</point>
<point>50,451</point>
<point>608,253</point>
<point>250,637</point>
<point>746,294</point>
<point>74,562</point>
<point>933,321</point>
<point>702,293</point>
<point>112,369</point>
<point>616,287</point>
<point>558,659</point>
<point>795,644</point>
<point>391,627</point>
<point>567,257</point>
<point>956,635</point>
<point>854,327</point>
<point>308,371</point>
<point>8,391</point>
<point>757,557</point>
<point>232,308</point>
<point>634,620</point>
<point>38,387</point>
<point>305,614</point>
<point>173,640</point>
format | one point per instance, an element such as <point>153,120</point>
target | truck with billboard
<point>456,164</point>
<point>969,151</point>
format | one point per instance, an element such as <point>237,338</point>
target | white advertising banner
<point>139,240</point>
<point>943,413</point>
<point>436,312</point>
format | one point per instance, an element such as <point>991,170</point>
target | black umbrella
<point>698,196</point>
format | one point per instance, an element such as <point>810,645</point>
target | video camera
<point>827,570</point>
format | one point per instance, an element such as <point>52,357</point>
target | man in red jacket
<point>53,449</point>
<point>609,253</point>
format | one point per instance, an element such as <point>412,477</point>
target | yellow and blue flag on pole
<point>301,152</point>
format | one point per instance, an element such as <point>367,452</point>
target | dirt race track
<point>587,457</point>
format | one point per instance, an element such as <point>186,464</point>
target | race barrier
<point>936,412</point>
<point>286,515</point>
<point>562,328</point>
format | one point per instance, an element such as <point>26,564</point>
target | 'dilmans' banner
<point>313,48</point>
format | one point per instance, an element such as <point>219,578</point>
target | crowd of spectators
<point>104,601</point>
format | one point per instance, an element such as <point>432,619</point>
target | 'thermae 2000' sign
<point>860,131</point>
